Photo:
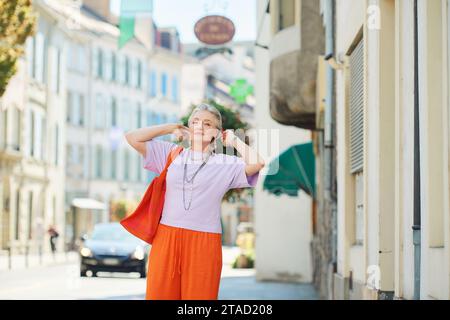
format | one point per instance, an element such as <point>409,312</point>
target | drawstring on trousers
<point>177,256</point>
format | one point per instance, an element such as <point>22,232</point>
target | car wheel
<point>143,272</point>
<point>83,270</point>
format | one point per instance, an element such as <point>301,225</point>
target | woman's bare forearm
<point>137,137</point>
<point>148,133</point>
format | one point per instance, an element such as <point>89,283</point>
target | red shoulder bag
<point>144,221</point>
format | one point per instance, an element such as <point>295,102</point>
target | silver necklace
<point>191,180</point>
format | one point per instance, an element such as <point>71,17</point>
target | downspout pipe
<point>417,183</point>
<point>329,129</point>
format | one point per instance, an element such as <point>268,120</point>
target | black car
<point>113,249</point>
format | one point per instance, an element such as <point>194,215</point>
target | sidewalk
<point>241,284</point>
<point>19,261</point>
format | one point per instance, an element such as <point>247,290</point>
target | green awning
<point>292,170</point>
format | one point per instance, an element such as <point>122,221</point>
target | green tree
<point>17,22</point>
<point>230,119</point>
<point>121,208</point>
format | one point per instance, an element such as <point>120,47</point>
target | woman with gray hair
<point>185,260</point>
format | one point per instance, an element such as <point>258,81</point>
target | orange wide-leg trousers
<point>184,265</point>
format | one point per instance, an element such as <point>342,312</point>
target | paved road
<point>62,281</point>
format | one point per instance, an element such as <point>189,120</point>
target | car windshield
<point>112,233</point>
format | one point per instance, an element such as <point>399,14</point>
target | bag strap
<point>172,155</point>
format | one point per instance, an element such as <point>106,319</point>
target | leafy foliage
<point>17,22</point>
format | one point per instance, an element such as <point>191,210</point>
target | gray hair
<point>213,148</point>
<point>210,108</point>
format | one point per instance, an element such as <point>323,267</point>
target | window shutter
<point>95,62</point>
<point>39,62</point>
<point>107,65</point>
<point>107,111</point>
<point>357,108</point>
<point>30,56</point>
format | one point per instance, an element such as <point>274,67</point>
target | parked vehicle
<point>113,249</point>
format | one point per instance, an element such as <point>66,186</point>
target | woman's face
<point>203,126</point>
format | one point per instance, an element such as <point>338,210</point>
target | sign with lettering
<point>214,30</point>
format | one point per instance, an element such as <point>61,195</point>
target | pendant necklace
<point>191,180</point>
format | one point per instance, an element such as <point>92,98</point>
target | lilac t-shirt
<point>221,173</point>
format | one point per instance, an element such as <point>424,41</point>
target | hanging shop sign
<point>214,30</point>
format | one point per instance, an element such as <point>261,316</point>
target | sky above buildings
<point>184,13</point>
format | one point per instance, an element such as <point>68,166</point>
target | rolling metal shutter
<point>357,108</point>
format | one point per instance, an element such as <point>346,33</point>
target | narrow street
<point>61,281</point>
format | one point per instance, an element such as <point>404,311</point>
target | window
<point>56,70</point>
<point>356,130</point>
<point>99,112</point>
<point>17,222</point>
<point>69,107</point>
<point>175,89</point>
<point>359,209</point>
<point>30,215</point>
<point>164,84</point>
<point>16,128</point>
<point>81,110</point>
<point>152,84</point>
<point>132,115</point>
<point>75,109</point>
<point>94,60</point>
<point>100,57</point>
<point>107,65</point>
<point>287,13</point>
<point>357,108</point>
<point>149,117</point>
<point>32,134</point>
<point>81,63</point>
<point>113,164</point>
<point>127,70</point>
<point>134,73</point>
<point>54,210</point>
<point>35,47</point>
<point>126,175</point>
<point>113,67</point>
<point>81,161</point>
<point>139,116</point>
<point>56,145</point>
<point>30,44</point>
<point>119,68</point>
<point>113,112</point>
<point>69,160</point>
<point>5,128</point>
<point>139,75</point>
<point>107,112</point>
<point>43,137</point>
<point>98,161</point>
<point>76,58</point>
<point>39,58</point>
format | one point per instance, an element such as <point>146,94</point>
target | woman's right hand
<point>181,133</point>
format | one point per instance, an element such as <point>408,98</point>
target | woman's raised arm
<point>137,138</point>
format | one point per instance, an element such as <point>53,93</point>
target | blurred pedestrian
<point>53,236</point>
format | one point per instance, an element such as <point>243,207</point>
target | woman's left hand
<point>228,138</point>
